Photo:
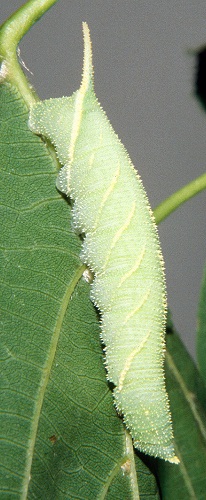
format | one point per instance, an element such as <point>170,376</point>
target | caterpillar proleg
<point>121,247</point>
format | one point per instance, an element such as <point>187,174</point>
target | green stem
<point>176,199</point>
<point>11,32</point>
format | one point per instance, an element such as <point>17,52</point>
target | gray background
<point>144,74</point>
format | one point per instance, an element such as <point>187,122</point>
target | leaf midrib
<point>189,398</point>
<point>187,394</point>
<point>45,378</point>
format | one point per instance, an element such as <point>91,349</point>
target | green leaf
<point>188,406</point>
<point>201,332</point>
<point>61,436</point>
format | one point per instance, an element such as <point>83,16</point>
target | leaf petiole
<point>11,32</point>
<point>176,199</point>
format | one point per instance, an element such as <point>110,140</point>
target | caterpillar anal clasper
<point>121,247</point>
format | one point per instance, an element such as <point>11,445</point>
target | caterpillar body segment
<point>121,247</point>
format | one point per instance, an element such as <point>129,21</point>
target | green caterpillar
<point>121,248</point>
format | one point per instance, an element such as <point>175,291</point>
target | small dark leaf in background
<point>200,76</point>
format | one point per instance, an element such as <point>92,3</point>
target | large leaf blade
<point>188,406</point>
<point>201,332</point>
<point>29,286</point>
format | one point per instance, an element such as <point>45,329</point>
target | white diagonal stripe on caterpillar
<point>106,195</point>
<point>130,359</point>
<point>134,268</point>
<point>136,310</point>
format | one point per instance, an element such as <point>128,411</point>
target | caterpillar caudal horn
<point>121,248</point>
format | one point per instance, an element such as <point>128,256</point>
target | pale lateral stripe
<point>132,313</point>
<point>130,359</point>
<point>134,268</point>
<point>119,233</point>
<point>107,194</point>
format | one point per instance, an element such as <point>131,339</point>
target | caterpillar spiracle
<point>121,248</point>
